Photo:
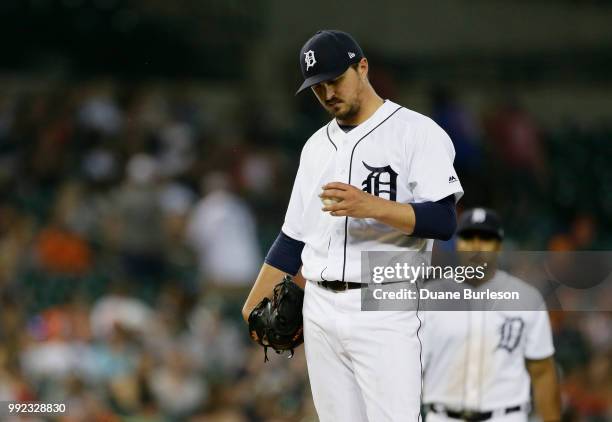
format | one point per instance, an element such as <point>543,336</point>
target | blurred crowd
<point>134,220</point>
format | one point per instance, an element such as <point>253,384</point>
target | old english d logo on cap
<point>309,59</point>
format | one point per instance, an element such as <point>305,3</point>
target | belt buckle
<point>469,415</point>
<point>329,285</point>
<point>337,286</point>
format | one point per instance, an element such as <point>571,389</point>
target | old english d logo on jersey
<point>510,333</point>
<point>380,180</point>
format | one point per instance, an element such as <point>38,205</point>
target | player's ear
<point>363,69</point>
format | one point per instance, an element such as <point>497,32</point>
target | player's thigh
<point>386,353</point>
<point>335,391</point>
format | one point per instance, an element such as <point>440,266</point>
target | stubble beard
<point>354,107</point>
<point>352,111</point>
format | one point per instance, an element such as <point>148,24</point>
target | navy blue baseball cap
<point>327,55</point>
<point>480,221</point>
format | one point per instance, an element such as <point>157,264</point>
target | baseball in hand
<point>330,201</point>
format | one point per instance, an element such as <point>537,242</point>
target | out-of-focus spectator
<point>584,231</point>
<point>222,232</point>
<point>597,327</point>
<point>589,392</point>
<point>119,309</point>
<point>48,352</point>
<point>60,251</point>
<point>100,165</point>
<point>177,149</point>
<point>461,126</point>
<point>517,169</point>
<point>178,390</point>
<point>136,220</point>
<point>516,139</point>
<point>215,343</point>
<point>59,248</point>
<point>571,347</point>
<point>16,232</point>
<point>257,173</point>
<point>177,202</point>
<point>99,112</point>
<point>13,384</point>
<point>560,243</point>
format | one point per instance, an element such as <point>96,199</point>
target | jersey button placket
<point>344,159</point>
<point>474,363</point>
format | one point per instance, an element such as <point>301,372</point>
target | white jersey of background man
<point>371,358</point>
<point>475,360</point>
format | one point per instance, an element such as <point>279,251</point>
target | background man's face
<point>478,243</point>
<point>484,249</point>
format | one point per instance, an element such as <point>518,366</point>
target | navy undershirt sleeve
<point>435,220</point>
<point>285,254</point>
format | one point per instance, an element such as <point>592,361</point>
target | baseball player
<point>377,177</point>
<point>479,364</point>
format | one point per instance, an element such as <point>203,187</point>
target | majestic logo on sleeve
<point>381,180</point>
<point>309,59</point>
<point>510,333</point>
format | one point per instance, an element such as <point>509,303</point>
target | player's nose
<point>328,91</point>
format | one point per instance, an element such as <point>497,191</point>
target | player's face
<point>478,243</point>
<point>478,249</point>
<point>341,96</point>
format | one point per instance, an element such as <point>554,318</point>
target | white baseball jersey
<point>396,154</point>
<point>475,360</point>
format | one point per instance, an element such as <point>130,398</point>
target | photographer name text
<point>425,294</point>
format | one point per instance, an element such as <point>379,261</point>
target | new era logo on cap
<point>351,54</point>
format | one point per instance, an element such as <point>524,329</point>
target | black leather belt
<point>469,415</point>
<point>340,286</point>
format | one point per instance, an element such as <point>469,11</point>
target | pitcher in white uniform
<point>480,365</point>
<point>377,177</point>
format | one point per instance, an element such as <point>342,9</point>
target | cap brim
<point>480,228</point>
<point>315,79</point>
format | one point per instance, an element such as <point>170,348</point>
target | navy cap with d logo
<point>480,221</point>
<point>326,56</point>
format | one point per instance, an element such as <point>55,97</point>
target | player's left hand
<point>353,202</point>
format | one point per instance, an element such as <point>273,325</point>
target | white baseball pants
<point>363,366</point>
